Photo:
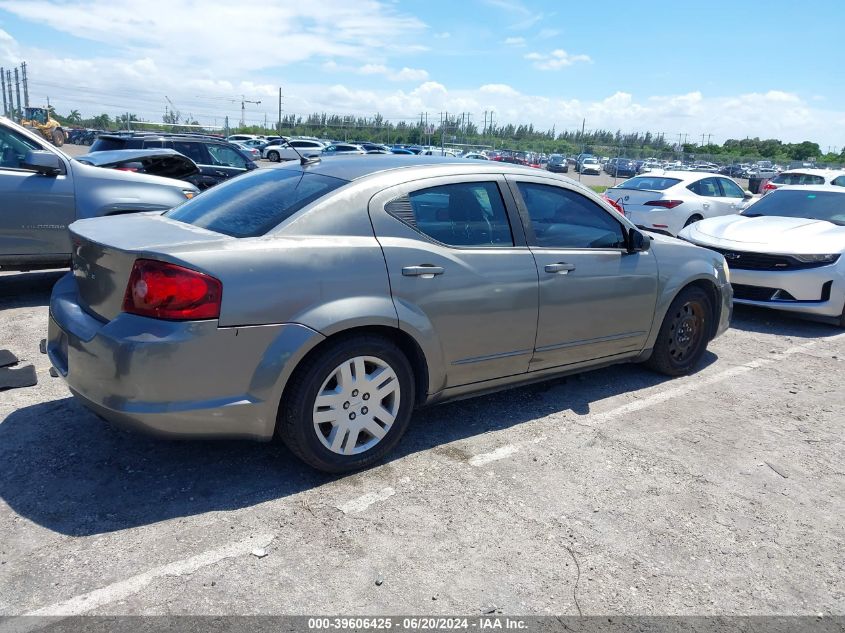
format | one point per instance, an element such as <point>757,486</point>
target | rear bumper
<point>818,291</point>
<point>189,378</point>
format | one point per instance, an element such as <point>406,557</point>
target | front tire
<point>347,406</point>
<point>684,334</point>
<point>273,157</point>
<point>58,138</point>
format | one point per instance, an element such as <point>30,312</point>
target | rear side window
<point>839,181</point>
<point>465,214</point>
<point>798,179</point>
<point>649,183</point>
<point>707,187</point>
<point>253,204</point>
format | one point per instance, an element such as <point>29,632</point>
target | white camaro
<point>786,251</point>
<point>668,201</point>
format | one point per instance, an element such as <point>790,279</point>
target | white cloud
<point>180,35</point>
<point>445,35</point>
<point>555,60</point>
<point>203,80</point>
<point>514,41</point>
<point>405,74</point>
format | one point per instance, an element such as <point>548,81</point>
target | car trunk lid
<point>105,249</point>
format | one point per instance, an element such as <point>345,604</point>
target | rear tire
<point>692,220</point>
<point>340,400</point>
<point>684,334</point>
<point>273,157</point>
<point>58,138</point>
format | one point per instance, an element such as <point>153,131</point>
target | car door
<point>35,210</point>
<point>709,193</point>
<point>225,162</point>
<point>460,273</point>
<point>596,299</point>
<point>733,198</point>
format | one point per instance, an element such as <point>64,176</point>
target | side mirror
<point>747,195</point>
<point>44,162</point>
<point>638,241</point>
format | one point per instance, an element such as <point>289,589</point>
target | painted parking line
<point>359,504</point>
<point>87,602</point>
<point>686,386</point>
<point>492,456</point>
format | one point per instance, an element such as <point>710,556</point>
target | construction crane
<point>244,101</point>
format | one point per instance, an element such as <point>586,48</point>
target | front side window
<point>13,149</point>
<point>465,214</point>
<point>838,181</point>
<point>225,156</point>
<point>562,218</point>
<point>730,189</point>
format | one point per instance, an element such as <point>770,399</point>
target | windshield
<point>253,204</point>
<point>648,183</point>
<point>813,205</point>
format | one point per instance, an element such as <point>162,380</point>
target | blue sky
<point>762,69</point>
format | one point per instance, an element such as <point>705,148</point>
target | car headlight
<point>817,259</point>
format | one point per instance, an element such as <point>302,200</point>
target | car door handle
<point>561,268</point>
<point>424,270</point>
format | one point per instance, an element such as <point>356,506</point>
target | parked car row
<point>260,333</point>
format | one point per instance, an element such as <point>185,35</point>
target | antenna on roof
<point>302,160</point>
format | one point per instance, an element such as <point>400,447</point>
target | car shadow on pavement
<point>28,290</point>
<point>767,321</point>
<point>65,469</point>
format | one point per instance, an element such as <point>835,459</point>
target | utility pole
<point>484,129</point>
<point>18,91</point>
<point>244,101</point>
<point>12,114</point>
<point>280,111</point>
<point>25,86</point>
<point>3,81</point>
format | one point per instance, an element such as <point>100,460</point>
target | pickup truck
<point>43,190</point>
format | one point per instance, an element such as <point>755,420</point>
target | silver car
<point>322,302</point>
<point>43,190</point>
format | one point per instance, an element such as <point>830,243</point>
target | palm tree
<point>74,117</point>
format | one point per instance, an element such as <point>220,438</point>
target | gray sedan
<point>322,302</point>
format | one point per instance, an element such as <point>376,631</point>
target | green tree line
<point>460,130</point>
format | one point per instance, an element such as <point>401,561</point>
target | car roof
<point>814,171</point>
<point>686,176</point>
<point>806,188</point>
<point>357,167</point>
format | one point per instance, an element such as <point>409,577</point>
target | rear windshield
<point>108,144</point>
<point>254,203</point>
<point>814,205</point>
<point>649,183</point>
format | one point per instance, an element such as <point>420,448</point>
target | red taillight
<point>769,187</point>
<point>666,204</point>
<point>613,203</point>
<point>167,291</point>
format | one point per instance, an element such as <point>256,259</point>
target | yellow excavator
<point>39,120</point>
